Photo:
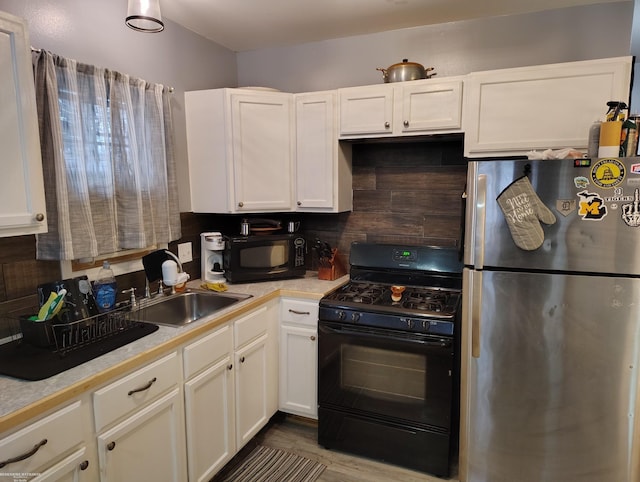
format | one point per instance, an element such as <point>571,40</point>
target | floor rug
<point>266,464</point>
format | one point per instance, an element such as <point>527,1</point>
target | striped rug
<point>266,464</point>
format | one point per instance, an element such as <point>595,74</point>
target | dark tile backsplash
<point>404,192</point>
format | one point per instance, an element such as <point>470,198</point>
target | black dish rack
<point>36,350</point>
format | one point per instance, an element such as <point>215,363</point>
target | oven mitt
<point>523,211</point>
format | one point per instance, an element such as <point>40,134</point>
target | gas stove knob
<point>355,317</point>
<point>341,315</point>
<point>409,323</point>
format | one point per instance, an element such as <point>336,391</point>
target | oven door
<point>398,376</point>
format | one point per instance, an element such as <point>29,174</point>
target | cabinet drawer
<point>300,312</point>
<point>207,351</point>
<point>55,435</point>
<point>135,390</point>
<point>250,327</point>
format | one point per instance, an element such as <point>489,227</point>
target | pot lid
<point>406,63</point>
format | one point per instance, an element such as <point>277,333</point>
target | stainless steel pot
<point>406,71</point>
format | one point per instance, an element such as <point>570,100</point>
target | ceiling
<point>242,25</point>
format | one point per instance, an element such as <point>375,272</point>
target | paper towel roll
<point>610,139</point>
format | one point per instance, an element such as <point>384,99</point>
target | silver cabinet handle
<point>142,389</point>
<point>39,217</point>
<point>387,125</point>
<point>240,204</point>
<point>312,338</point>
<point>406,123</point>
<point>24,456</point>
<point>296,312</point>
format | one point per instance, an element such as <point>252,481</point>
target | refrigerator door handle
<point>476,296</point>
<point>480,207</point>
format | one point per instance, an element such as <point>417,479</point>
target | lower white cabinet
<point>140,424</point>
<point>74,468</point>
<point>56,447</point>
<point>230,389</point>
<point>209,403</point>
<point>149,445</point>
<point>299,357</point>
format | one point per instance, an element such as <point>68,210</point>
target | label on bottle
<point>105,295</point>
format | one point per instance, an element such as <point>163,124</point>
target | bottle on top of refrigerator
<point>104,288</point>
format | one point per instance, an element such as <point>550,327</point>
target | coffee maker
<point>211,257</point>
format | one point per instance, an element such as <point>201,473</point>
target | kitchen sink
<point>184,308</point>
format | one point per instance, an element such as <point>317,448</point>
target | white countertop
<point>18,396</point>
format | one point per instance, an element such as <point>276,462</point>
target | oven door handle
<point>407,337</point>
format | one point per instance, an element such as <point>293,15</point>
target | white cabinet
<point>240,147</point>
<point>22,210</point>
<point>209,403</point>
<point>230,389</point>
<point>512,111</point>
<point>256,371</point>
<point>299,357</point>
<point>401,109</point>
<point>140,423</point>
<point>54,446</point>
<point>323,165</point>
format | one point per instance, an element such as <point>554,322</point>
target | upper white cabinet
<point>22,210</point>
<point>323,165</point>
<point>512,111</point>
<point>403,108</point>
<point>240,145</point>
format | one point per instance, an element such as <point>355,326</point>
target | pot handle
<point>427,75</point>
<point>384,71</point>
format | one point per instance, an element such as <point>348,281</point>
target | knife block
<point>335,268</point>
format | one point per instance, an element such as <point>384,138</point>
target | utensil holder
<point>335,268</point>
<point>37,333</point>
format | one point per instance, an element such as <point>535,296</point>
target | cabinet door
<point>431,106</point>
<point>316,143</point>
<point>22,210</point>
<point>262,152</point>
<point>298,371</point>
<point>251,378</point>
<point>366,110</point>
<point>149,445</point>
<point>74,468</point>
<point>209,408</point>
<point>512,111</point>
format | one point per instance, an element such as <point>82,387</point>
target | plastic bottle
<point>104,288</point>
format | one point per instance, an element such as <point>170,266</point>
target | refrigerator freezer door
<point>549,393</point>
<point>597,228</point>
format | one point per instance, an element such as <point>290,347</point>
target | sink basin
<point>184,308</point>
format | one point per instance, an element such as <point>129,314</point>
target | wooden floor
<point>299,436</point>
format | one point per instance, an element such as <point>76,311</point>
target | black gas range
<point>388,359</point>
<point>414,289</point>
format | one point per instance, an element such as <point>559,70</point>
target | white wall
<point>94,32</point>
<point>457,48</point>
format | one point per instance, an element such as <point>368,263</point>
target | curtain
<point>108,160</point>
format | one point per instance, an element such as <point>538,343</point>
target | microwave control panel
<point>298,244</point>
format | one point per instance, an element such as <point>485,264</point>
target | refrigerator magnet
<point>581,182</point>
<point>591,206</point>
<point>608,173</point>
<point>566,206</point>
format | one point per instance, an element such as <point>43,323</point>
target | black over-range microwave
<point>263,258</point>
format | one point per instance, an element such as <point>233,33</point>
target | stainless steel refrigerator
<point>551,335</point>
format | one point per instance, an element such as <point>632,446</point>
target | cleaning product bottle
<point>104,288</point>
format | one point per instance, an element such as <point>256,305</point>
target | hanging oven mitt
<point>523,211</point>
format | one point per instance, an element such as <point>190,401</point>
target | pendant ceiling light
<point>144,16</point>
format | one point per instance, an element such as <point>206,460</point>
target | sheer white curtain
<point>108,161</point>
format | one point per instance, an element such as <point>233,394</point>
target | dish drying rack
<point>63,338</point>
